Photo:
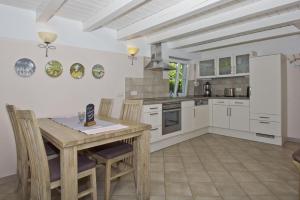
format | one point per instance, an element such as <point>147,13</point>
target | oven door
<point>171,121</point>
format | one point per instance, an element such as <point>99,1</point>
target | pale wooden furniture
<point>23,168</point>
<point>118,153</point>
<point>105,107</point>
<point>45,175</point>
<point>132,110</point>
<point>70,141</point>
<point>296,161</point>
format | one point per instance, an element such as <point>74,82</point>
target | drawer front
<point>266,117</point>
<point>156,133</point>
<point>221,102</point>
<point>265,127</point>
<point>187,104</point>
<point>153,118</point>
<point>239,102</point>
<point>152,108</point>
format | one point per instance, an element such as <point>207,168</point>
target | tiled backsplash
<point>218,85</point>
<point>152,85</point>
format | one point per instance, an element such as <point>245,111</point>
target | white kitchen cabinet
<point>152,114</point>
<point>268,97</point>
<point>239,118</point>
<point>231,114</point>
<point>220,116</point>
<point>187,116</point>
<point>201,117</point>
<point>241,64</point>
<point>225,66</point>
<point>207,68</point>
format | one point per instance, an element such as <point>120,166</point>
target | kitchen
<point>218,81</point>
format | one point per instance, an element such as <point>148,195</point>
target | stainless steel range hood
<point>157,62</point>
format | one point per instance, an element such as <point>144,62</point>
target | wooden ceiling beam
<point>259,36</point>
<point>114,10</point>
<point>182,10</point>
<point>262,24</point>
<point>232,16</point>
<point>48,9</point>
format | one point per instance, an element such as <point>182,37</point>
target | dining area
<point>62,154</point>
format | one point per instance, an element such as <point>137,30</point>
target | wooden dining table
<point>70,141</point>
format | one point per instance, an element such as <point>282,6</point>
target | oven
<point>171,117</point>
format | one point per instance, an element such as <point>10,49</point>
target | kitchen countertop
<point>160,100</point>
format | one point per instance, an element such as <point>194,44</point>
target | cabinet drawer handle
<point>153,113</point>
<point>153,108</point>
<point>154,129</point>
<point>238,102</point>
<point>264,122</point>
<point>264,117</point>
<point>220,102</point>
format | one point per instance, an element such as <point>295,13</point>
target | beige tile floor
<point>210,167</point>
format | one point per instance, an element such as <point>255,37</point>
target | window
<point>178,79</point>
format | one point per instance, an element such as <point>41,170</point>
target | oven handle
<point>172,110</point>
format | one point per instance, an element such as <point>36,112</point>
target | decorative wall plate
<point>25,67</point>
<point>54,68</point>
<point>98,71</point>
<point>77,70</point>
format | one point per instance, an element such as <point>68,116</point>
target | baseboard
<point>289,139</point>
<point>155,146</point>
<point>9,178</point>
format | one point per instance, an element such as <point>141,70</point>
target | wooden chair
<point>105,107</point>
<point>118,154</point>
<point>45,174</point>
<point>23,171</point>
<point>296,161</point>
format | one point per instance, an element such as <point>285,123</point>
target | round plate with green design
<point>77,70</point>
<point>98,71</point>
<point>54,68</point>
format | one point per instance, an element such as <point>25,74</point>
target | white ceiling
<point>192,25</point>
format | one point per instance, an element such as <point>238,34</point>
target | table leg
<point>142,159</point>
<point>68,168</point>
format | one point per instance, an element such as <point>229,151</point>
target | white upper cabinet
<point>242,64</point>
<point>207,68</point>
<point>225,66</point>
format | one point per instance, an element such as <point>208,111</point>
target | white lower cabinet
<point>187,116</point>
<point>231,114</point>
<point>152,114</point>
<point>201,117</point>
<point>220,116</point>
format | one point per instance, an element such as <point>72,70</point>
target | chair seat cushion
<point>296,155</point>
<point>112,150</point>
<point>84,163</point>
<point>50,149</point>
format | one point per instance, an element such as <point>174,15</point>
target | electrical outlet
<point>133,93</point>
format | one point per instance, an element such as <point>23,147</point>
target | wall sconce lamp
<point>132,51</point>
<point>47,38</point>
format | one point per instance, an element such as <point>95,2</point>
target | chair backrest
<point>22,155</point>
<point>132,110</point>
<point>105,107</point>
<point>39,168</point>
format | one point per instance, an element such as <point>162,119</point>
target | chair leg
<point>93,184</point>
<point>107,180</point>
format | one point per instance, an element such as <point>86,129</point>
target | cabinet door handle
<point>264,122</point>
<point>229,111</point>
<point>194,113</point>
<point>238,102</point>
<point>154,129</point>
<point>264,117</point>
<point>153,113</point>
<point>153,108</point>
<point>220,102</point>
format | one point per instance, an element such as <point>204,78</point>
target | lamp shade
<point>47,37</point>
<point>132,51</point>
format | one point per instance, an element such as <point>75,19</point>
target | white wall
<point>288,46</point>
<point>63,95</point>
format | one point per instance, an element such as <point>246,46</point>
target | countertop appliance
<point>207,89</point>
<point>229,92</point>
<point>171,117</point>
